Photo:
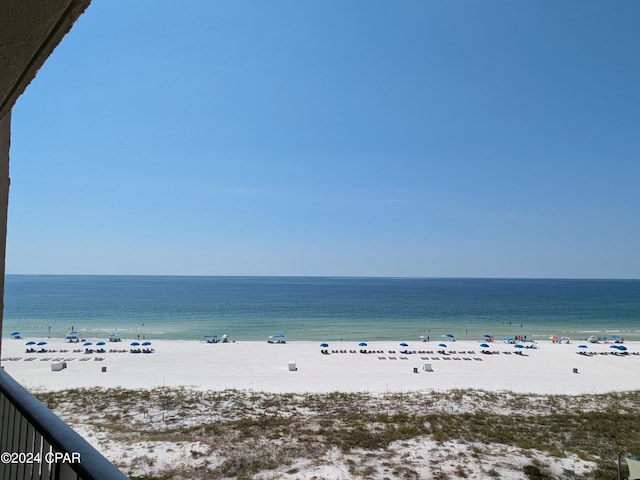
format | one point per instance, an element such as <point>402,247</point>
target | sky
<point>333,138</point>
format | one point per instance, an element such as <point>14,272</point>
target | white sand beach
<point>260,366</point>
<point>260,371</point>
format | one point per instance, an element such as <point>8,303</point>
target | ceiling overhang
<point>29,32</point>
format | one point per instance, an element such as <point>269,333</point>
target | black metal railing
<point>36,444</point>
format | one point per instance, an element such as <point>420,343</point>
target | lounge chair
<point>634,467</point>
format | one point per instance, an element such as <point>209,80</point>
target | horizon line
<point>399,277</point>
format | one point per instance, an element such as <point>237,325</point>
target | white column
<point>5,141</point>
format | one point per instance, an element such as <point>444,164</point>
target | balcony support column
<point>5,140</point>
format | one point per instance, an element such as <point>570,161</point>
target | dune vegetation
<point>183,433</point>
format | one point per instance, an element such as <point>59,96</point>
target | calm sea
<point>318,308</point>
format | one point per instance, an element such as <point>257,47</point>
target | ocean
<point>318,308</point>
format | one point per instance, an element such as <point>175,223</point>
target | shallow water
<point>319,308</point>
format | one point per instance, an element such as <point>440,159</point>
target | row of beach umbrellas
<point>617,346</point>
<point>403,344</point>
<point>444,345</point>
<point>364,344</point>
<point>89,344</point>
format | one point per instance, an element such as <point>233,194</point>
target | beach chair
<point>634,467</point>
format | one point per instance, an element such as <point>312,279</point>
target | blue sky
<point>359,138</point>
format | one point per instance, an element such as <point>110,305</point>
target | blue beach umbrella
<point>403,344</point>
<point>443,345</point>
<point>135,344</point>
<point>30,342</point>
<point>15,334</point>
<point>583,346</point>
<point>518,345</point>
<point>619,347</point>
<point>507,339</point>
<point>448,335</point>
<point>324,345</point>
<point>484,345</point>
<point>87,344</point>
<point>100,344</point>
<point>278,335</point>
<point>362,344</point>
<point>487,335</point>
<point>41,343</point>
<point>146,344</point>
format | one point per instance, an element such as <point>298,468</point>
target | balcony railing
<point>36,444</point>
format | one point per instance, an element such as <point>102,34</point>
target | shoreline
<point>552,368</point>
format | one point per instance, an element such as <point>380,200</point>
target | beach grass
<point>248,434</point>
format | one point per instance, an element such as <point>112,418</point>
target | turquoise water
<point>318,308</point>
